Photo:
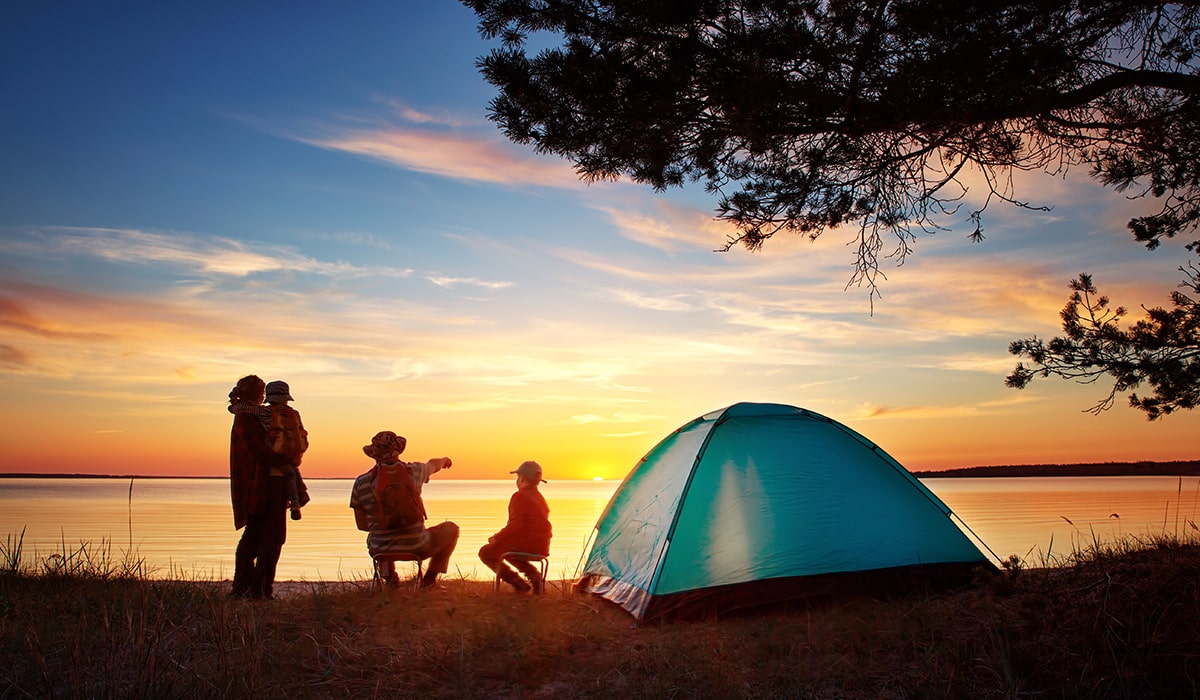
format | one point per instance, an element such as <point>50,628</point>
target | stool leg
<point>377,581</point>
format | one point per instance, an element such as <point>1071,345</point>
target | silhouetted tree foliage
<point>1162,350</point>
<point>803,115</point>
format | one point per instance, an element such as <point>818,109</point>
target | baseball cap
<point>530,470</point>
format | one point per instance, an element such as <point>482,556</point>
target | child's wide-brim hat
<point>385,444</point>
<point>278,391</point>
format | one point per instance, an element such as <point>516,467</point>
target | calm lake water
<point>184,527</point>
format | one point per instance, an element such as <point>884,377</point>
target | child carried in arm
<point>287,436</point>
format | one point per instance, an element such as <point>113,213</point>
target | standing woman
<point>258,488</point>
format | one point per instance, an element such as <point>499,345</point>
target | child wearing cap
<point>528,530</point>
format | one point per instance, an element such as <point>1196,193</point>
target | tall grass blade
<point>10,553</point>
<point>130,514</point>
<point>1178,500</point>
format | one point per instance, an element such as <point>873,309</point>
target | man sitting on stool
<point>528,530</point>
<point>414,539</point>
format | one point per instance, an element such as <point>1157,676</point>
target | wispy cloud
<point>871,411</point>
<point>671,228</point>
<point>15,315</point>
<point>14,358</point>
<point>412,115</point>
<point>613,418</point>
<point>437,143</point>
<point>449,282</point>
<point>634,433</point>
<point>999,363</point>
<point>199,254</point>
<point>644,300</point>
<point>451,155</point>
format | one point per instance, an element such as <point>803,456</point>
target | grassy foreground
<point>1115,621</point>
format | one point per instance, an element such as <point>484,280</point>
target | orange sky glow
<point>358,228</point>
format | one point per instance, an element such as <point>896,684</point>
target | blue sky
<point>190,193</point>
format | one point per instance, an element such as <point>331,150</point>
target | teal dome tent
<point>758,503</point>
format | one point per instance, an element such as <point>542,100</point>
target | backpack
<point>288,437</point>
<point>397,502</point>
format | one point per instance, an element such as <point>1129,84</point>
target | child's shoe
<point>538,584</point>
<point>514,579</point>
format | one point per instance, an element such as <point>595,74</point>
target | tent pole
<point>662,555</point>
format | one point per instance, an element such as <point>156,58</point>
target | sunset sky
<point>191,192</point>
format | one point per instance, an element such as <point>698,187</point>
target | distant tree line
<point>1180,468</point>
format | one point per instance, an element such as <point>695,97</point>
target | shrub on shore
<point>1115,621</point>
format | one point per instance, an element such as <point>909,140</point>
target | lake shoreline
<point>1175,468</point>
<point>1140,468</point>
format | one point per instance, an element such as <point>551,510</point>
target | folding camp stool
<point>393,557</point>
<point>542,560</point>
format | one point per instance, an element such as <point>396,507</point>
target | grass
<point>1111,620</point>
